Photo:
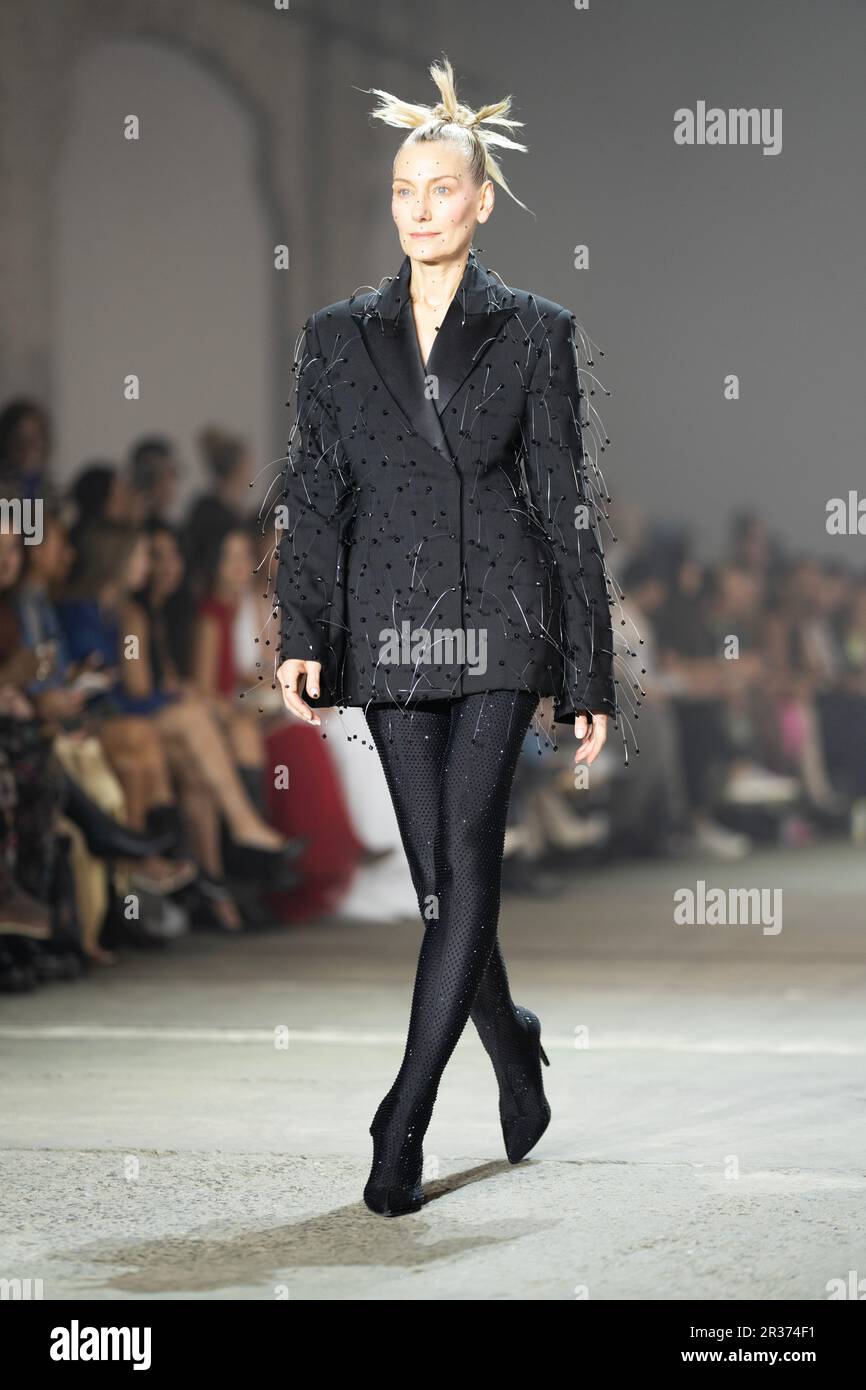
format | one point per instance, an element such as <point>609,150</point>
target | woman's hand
<point>59,703</point>
<point>593,736</point>
<point>289,676</point>
<point>15,703</point>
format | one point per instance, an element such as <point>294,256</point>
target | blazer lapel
<point>472,321</point>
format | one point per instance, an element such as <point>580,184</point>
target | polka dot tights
<point>449,766</point>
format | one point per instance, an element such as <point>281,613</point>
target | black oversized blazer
<point>440,528</point>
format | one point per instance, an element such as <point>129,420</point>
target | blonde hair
<point>450,120</point>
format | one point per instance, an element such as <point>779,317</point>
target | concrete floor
<point>707,1138</point>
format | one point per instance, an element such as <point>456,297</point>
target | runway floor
<point>708,1088</point>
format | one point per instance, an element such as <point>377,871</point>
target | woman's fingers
<point>593,736</point>
<point>291,675</point>
<point>313,669</point>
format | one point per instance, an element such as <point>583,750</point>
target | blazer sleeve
<point>560,496</point>
<point>316,495</point>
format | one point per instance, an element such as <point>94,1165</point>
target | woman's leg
<point>201,818</point>
<point>190,723</point>
<point>246,740</point>
<point>450,776</point>
<point>135,751</point>
<point>413,758</point>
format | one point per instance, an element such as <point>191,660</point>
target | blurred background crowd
<point>145,757</point>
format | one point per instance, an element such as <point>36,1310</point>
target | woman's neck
<point>432,287</point>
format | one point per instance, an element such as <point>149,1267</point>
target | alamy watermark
<point>732,907</point>
<point>21,1290</point>
<point>737,126</point>
<point>422,646</point>
<point>846,517</point>
<point>22,516</point>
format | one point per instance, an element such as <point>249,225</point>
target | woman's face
<point>28,447</point>
<point>755,543</point>
<point>166,562</point>
<point>236,562</point>
<point>690,575</point>
<point>435,206</point>
<point>117,503</point>
<point>835,591</point>
<point>740,591</point>
<point>238,481</point>
<point>138,565</point>
<point>48,559</point>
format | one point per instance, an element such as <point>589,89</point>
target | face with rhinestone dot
<point>434,204</point>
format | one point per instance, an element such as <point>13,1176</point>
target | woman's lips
<point>423,234</point>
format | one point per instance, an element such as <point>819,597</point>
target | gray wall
<point>704,261</point>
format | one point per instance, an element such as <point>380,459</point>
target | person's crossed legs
<point>449,770</point>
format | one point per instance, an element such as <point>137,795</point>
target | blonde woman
<point>440,568</point>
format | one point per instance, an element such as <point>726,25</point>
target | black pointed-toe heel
<point>523,1107</point>
<point>394,1201</point>
<point>394,1189</point>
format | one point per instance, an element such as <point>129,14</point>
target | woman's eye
<point>441,188</point>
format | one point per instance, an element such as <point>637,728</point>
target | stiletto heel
<point>523,1107</point>
<point>395,1188</point>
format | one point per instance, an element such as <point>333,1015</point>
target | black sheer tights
<point>449,766</point>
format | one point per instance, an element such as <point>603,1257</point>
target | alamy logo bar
<point>77,1343</point>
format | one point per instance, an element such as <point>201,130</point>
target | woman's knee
<point>469,846</point>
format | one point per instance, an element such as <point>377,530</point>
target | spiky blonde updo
<point>451,121</point>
